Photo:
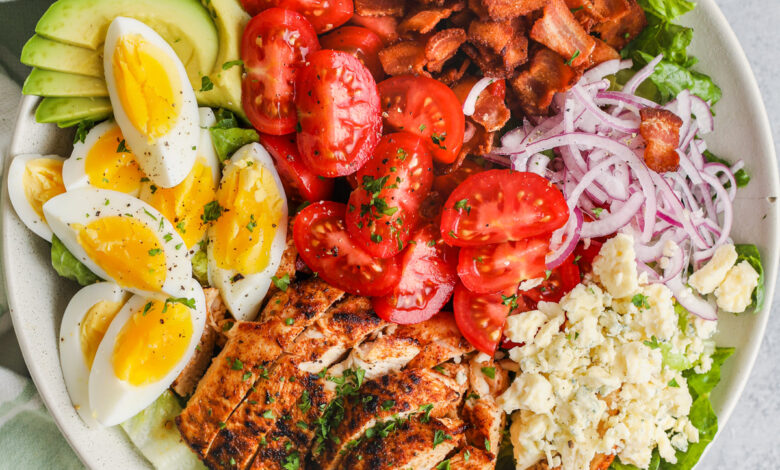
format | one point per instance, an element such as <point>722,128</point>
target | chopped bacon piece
<point>661,130</point>
<point>404,57</point>
<point>499,65</point>
<point>607,10</point>
<point>536,86</point>
<point>442,46</point>
<point>424,21</point>
<point>620,31</point>
<point>380,7</point>
<point>490,111</point>
<point>602,53</point>
<point>495,35</point>
<point>505,9</point>
<point>560,31</point>
<point>453,74</point>
<point>386,27</point>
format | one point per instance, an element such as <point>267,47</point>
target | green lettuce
<point>740,176</point>
<point>68,266</point>
<point>228,136</point>
<point>751,254</point>
<point>157,437</point>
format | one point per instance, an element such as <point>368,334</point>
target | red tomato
<point>494,268</point>
<point>427,280</point>
<point>338,112</point>
<point>361,43</point>
<point>583,257</point>
<point>446,184</point>
<point>427,107</point>
<point>324,15</point>
<point>560,282</point>
<point>324,245</point>
<point>386,27</point>
<point>502,205</point>
<point>382,213</point>
<point>296,177</point>
<point>274,46</point>
<point>481,317</point>
<point>464,86</point>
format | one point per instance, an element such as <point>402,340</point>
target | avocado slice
<point>62,84</point>
<point>184,24</point>
<point>60,57</point>
<point>231,19</point>
<point>69,111</point>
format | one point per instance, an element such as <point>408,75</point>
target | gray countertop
<point>751,439</point>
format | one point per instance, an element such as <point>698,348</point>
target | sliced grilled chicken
<point>286,268</point>
<point>275,415</point>
<point>396,395</point>
<point>412,443</point>
<point>250,348</point>
<point>188,378</point>
<point>472,458</point>
<point>483,417</point>
<point>439,339</point>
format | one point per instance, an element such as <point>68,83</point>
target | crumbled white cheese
<point>707,278</point>
<point>529,284</point>
<point>600,386</point>
<point>615,266</point>
<point>735,293</point>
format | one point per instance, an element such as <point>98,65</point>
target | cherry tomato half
<point>480,317</point>
<point>323,15</point>
<point>382,213</point>
<point>583,257</point>
<point>361,43</point>
<point>274,46</point>
<point>296,177</point>
<point>560,282</point>
<point>338,113</point>
<point>427,107</point>
<point>386,27</point>
<point>494,268</point>
<point>495,206</point>
<point>324,245</point>
<point>427,280</point>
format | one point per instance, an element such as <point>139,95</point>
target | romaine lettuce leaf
<point>154,434</point>
<point>751,254</point>
<point>68,266</point>
<point>740,176</point>
<point>667,9</point>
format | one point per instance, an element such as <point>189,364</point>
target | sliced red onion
<point>471,99</point>
<point>538,164</point>
<point>694,304</point>
<point>615,220</point>
<point>610,67</point>
<point>703,113</point>
<point>643,74</point>
<point>468,131</point>
<point>628,127</point>
<point>618,98</point>
<point>570,237</point>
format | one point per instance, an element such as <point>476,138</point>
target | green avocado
<point>52,55</point>
<point>231,19</point>
<point>69,111</point>
<point>185,24</point>
<point>62,84</point>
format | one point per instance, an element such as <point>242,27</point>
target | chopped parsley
<point>282,283</point>
<point>443,465</point>
<point>147,307</point>
<point>640,301</point>
<point>654,344</point>
<point>122,148</point>
<point>236,364</point>
<point>211,211</point>
<point>387,404</point>
<point>510,300</point>
<point>490,372</point>
<point>232,63</point>
<point>597,212</point>
<point>190,303</point>
<point>439,436</point>
<point>439,139</point>
<point>268,414</point>
<point>426,410</point>
<point>206,84</point>
<point>155,251</point>
<point>463,204</point>
<point>82,129</point>
<point>252,223</point>
<point>573,56</point>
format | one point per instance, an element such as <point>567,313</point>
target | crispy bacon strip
<point>661,130</point>
<point>497,47</point>
<point>380,7</point>
<point>536,86</point>
<point>560,31</point>
<point>505,9</point>
<point>495,35</point>
<point>620,31</point>
<point>602,53</point>
<point>442,46</point>
<point>423,21</point>
<point>403,57</point>
<point>453,74</point>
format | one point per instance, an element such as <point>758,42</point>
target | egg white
<point>113,400</point>
<point>74,366</point>
<point>19,201</point>
<point>168,159</point>
<point>244,296</point>
<point>205,144</point>
<point>85,205</point>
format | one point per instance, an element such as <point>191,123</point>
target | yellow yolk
<point>126,249</point>
<point>144,77</point>
<point>242,236</point>
<point>108,169</point>
<point>94,327</point>
<point>42,181</point>
<point>183,204</point>
<point>152,342</point>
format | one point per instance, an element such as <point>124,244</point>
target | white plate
<point>37,297</point>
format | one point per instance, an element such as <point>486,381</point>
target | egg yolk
<point>183,204</point>
<point>144,77</point>
<point>126,249</point>
<point>42,181</point>
<point>108,168</point>
<point>152,342</point>
<point>252,207</point>
<point>94,327</point>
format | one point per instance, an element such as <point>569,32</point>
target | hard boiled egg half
<point>85,322</point>
<point>104,161</point>
<point>247,239</point>
<point>153,100</point>
<point>32,181</point>
<point>184,203</point>
<point>121,239</point>
<point>147,345</point>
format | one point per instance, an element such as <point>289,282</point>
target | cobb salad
<point>386,234</point>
